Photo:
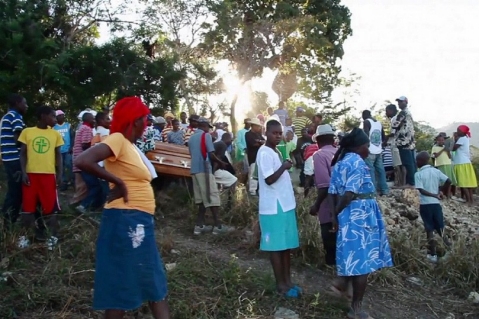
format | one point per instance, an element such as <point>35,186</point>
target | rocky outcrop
<point>401,214</point>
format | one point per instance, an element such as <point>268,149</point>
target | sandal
<point>291,293</point>
<point>298,289</point>
<point>358,315</point>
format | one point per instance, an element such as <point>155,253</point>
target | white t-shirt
<point>375,137</point>
<point>102,132</point>
<point>268,162</point>
<point>462,155</point>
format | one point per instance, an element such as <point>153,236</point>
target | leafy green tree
<point>301,39</point>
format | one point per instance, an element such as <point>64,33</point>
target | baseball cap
<point>204,120</point>
<point>59,112</point>
<point>300,109</point>
<point>402,98</point>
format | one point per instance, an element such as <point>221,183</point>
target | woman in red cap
<point>129,269</point>
<point>465,174</point>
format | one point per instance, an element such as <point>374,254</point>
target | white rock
<point>175,252</point>
<point>450,316</point>
<point>170,266</point>
<point>474,297</point>
<point>283,313</point>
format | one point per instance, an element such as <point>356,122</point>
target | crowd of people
<point>104,158</point>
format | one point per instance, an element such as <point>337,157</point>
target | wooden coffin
<point>171,159</point>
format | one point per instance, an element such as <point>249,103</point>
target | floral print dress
<point>147,142</point>
<point>362,246</point>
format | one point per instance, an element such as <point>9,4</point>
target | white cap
<point>402,98</point>
<point>86,111</point>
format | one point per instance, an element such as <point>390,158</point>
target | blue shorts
<point>129,269</point>
<point>432,217</point>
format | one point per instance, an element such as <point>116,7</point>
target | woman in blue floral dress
<point>362,246</point>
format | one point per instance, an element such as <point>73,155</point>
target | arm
<point>87,161</point>
<point>276,175</point>
<point>343,202</point>
<point>401,117</point>
<point>23,163</point>
<point>322,195</point>
<point>426,193</point>
<point>366,127</point>
<point>251,141</point>
<point>58,164</point>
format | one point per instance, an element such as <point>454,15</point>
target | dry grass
<point>59,284</point>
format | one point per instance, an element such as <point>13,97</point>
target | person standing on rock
<point>399,170</point>
<point>362,246</point>
<point>428,181</point>
<point>374,129</point>
<point>465,174</point>
<point>403,132</point>
<point>442,161</point>
<point>277,209</point>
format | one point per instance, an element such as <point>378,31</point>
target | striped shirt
<point>300,123</point>
<point>83,136</point>
<point>11,123</point>
<point>164,133</point>
<point>387,157</point>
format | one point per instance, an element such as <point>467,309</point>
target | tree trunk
<point>234,124</point>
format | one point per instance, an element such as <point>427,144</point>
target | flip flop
<point>298,289</point>
<point>291,293</point>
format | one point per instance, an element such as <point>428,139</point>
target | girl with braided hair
<point>362,246</point>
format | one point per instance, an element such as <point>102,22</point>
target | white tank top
<point>375,137</point>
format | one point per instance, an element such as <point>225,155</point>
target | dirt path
<point>400,300</point>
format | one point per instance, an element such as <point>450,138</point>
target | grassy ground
<point>226,277</point>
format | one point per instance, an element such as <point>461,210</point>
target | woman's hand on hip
<point>117,192</point>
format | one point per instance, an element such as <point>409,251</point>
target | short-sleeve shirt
<point>64,131</point>
<point>283,115</point>
<point>251,149</point>
<point>442,159</point>
<point>404,135</point>
<point>197,159</point>
<point>11,123</point>
<point>430,179</point>
<point>164,133</point>
<point>462,155</point>
<point>188,132</point>
<point>177,137</point>
<point>126,164</point>
<point>300,123</point>
<point>268,161</point>
<point>41,145</point>
<point>84,135</point>
<point>322,178</point>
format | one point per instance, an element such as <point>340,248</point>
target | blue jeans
<point>67,168</point>
<point>95,198</point>
<point>13,197</point>
<point>409,162</point>
<point>378,174</point>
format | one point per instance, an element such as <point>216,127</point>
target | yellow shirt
<point>128,166</point>
<point>442,159</point>
<point>41,145</point>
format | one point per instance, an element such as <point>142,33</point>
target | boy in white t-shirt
<point>277,214</point>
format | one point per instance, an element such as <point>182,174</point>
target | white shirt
<point>462,155</point>
<point>268,162</point>
<point>102,132</point>
<point>375,137</point>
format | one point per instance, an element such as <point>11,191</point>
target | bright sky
<point>426,50</point>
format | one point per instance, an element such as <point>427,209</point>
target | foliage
<point>299,38</point>
<point>48,55</point>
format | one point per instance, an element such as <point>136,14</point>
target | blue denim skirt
<point>129,269</point>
